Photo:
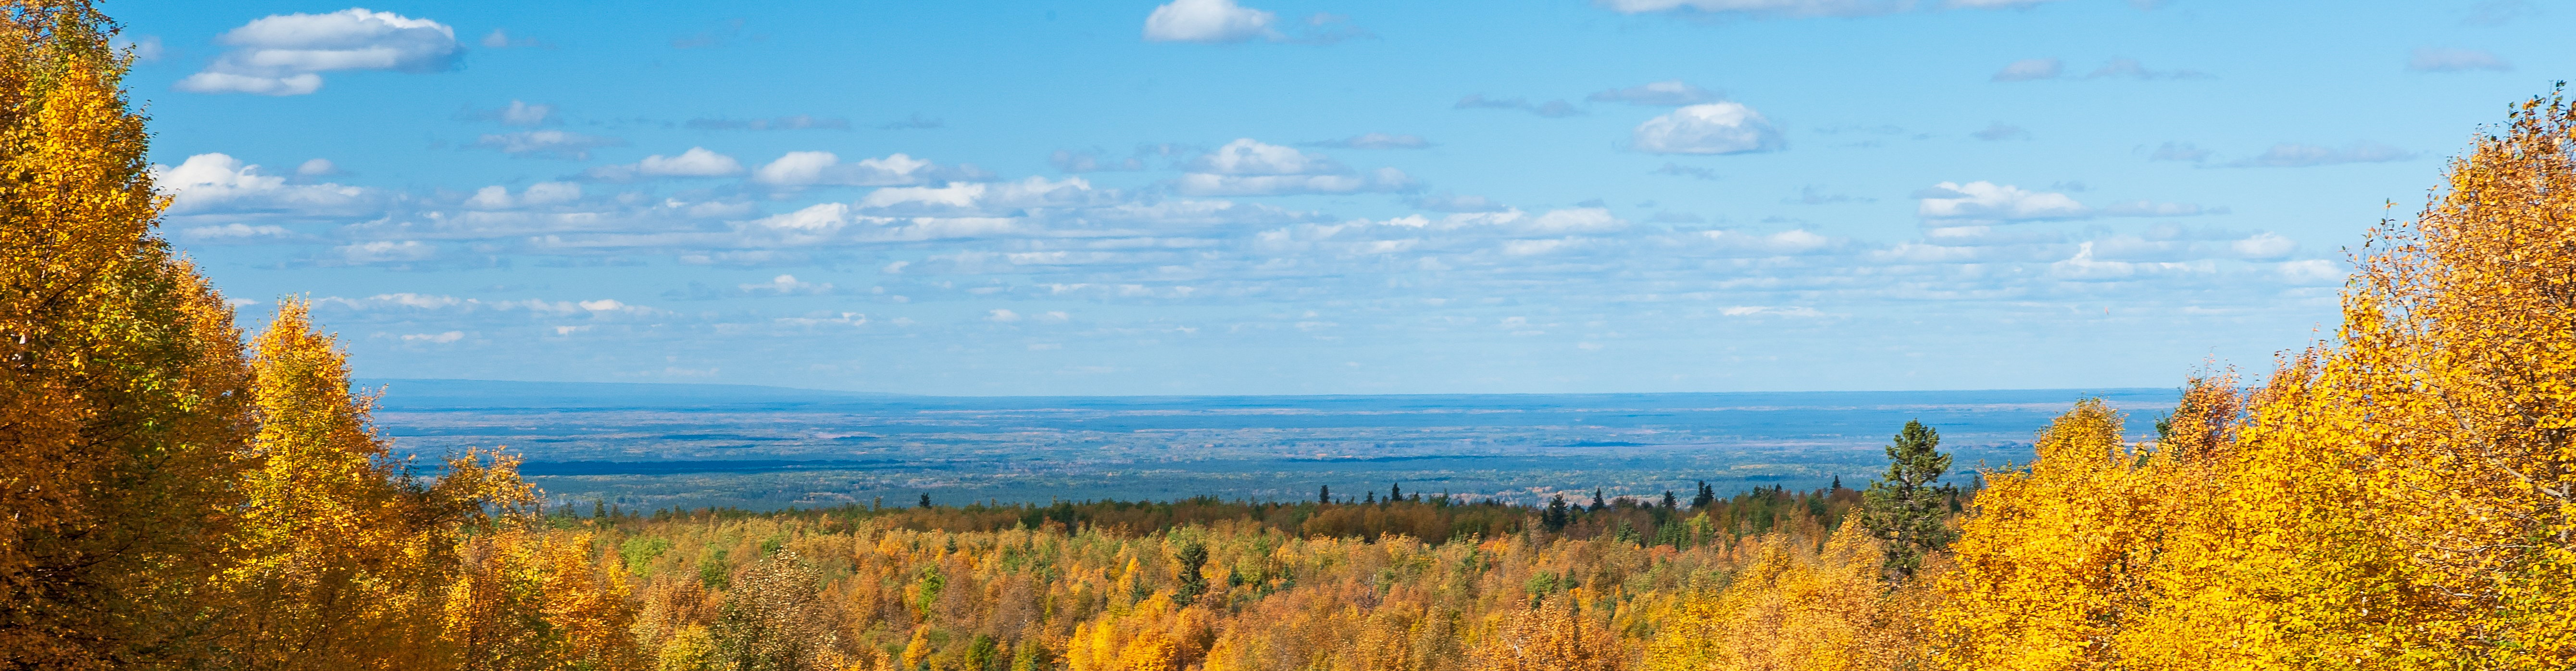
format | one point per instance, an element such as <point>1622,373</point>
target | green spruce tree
<point>1904,508</point>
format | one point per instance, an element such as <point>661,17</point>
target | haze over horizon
<point>1206,197</point>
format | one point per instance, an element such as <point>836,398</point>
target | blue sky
<point>1314,197</point>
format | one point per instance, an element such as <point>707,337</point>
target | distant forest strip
<point>176,493</point>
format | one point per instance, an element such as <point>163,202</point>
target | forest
<point>182,494</point>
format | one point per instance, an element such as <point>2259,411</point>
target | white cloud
<point>2263,247</point>
<point>548,143</point>
<point>2029,69</point>
<point>1382,180</point>
<point>1988,201</point>
<point>2430,59</point>
<point>536,195</point>
<point>320,167</point>
<point>823,168</point>
<point>235,231</point>
<point>520,113</point>
<point>1004,316</point>
<point>1246,156</point>
<point>1713,128</point>
<point>785,285</point>
<point>2311,272</point>
<point>2294,155</point>
<point>280,55</point>
<point>1673,93</point>
<point>982,197</point>
<point>438,338</point>
<point>1208,21</point>
<point>696,162</point>
<point>219,183</point>
<point>386,251</point>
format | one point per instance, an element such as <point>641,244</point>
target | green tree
<point>1904,508</point>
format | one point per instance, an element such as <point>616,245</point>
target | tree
<point>123,392</point>
<point>1903,508</point>
<point>1706,497</point>
<point>1396,492</point>
<point>1192,557</point>
<point>1324,495</point>
<point>1556,516</point>
<point>925,501</point>
<point>1669,502</point>
<point>1597,503</point>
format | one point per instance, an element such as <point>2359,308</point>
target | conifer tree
<point>1707,497</point>
<point>1556,516</point>
<point>1597,503</point>
<point>1324,495</point>
<point>1903,508</point>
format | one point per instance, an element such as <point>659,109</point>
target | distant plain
<point>650,446</point>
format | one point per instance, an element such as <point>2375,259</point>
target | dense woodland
<point>176,493</point>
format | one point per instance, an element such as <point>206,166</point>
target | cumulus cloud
<point>555,144</point>
<point>540,194</point>
<point>1988,201</point>
<point>221,184</point>
<point>235,232</point>
<point>2429,59</point>
<point>2263,247</point>
<point>1713,128</point>
<point>434,338</point>
<point>823,168</point>
<point>284,54</point>
<point>1673,93</point>
<point>1953,204</point>
<point>1248,167</point>
<point>1381,180</point>
<point>1246,156</point>
<point>696,162</point>
<point>1553,109</point>
<point>1215,21</point>
<point>319,167</point>
<point>1375,141</point>
<point>386,252</point>
<point>2295,155</point>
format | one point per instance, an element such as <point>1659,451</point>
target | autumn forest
<point>182,494</point>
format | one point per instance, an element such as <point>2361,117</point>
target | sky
<point>1329,197</point>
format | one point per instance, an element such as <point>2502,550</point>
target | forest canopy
<point>180,494</point>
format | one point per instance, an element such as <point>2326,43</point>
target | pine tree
<point>1597,503</point>
<point>925,501</point>
<point>1903,508</point>
<point>1395,493</point>
<point>1707,497</point>
<point>1556,516</point>
<point>1669,502</point>
<point>1324,495</point>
